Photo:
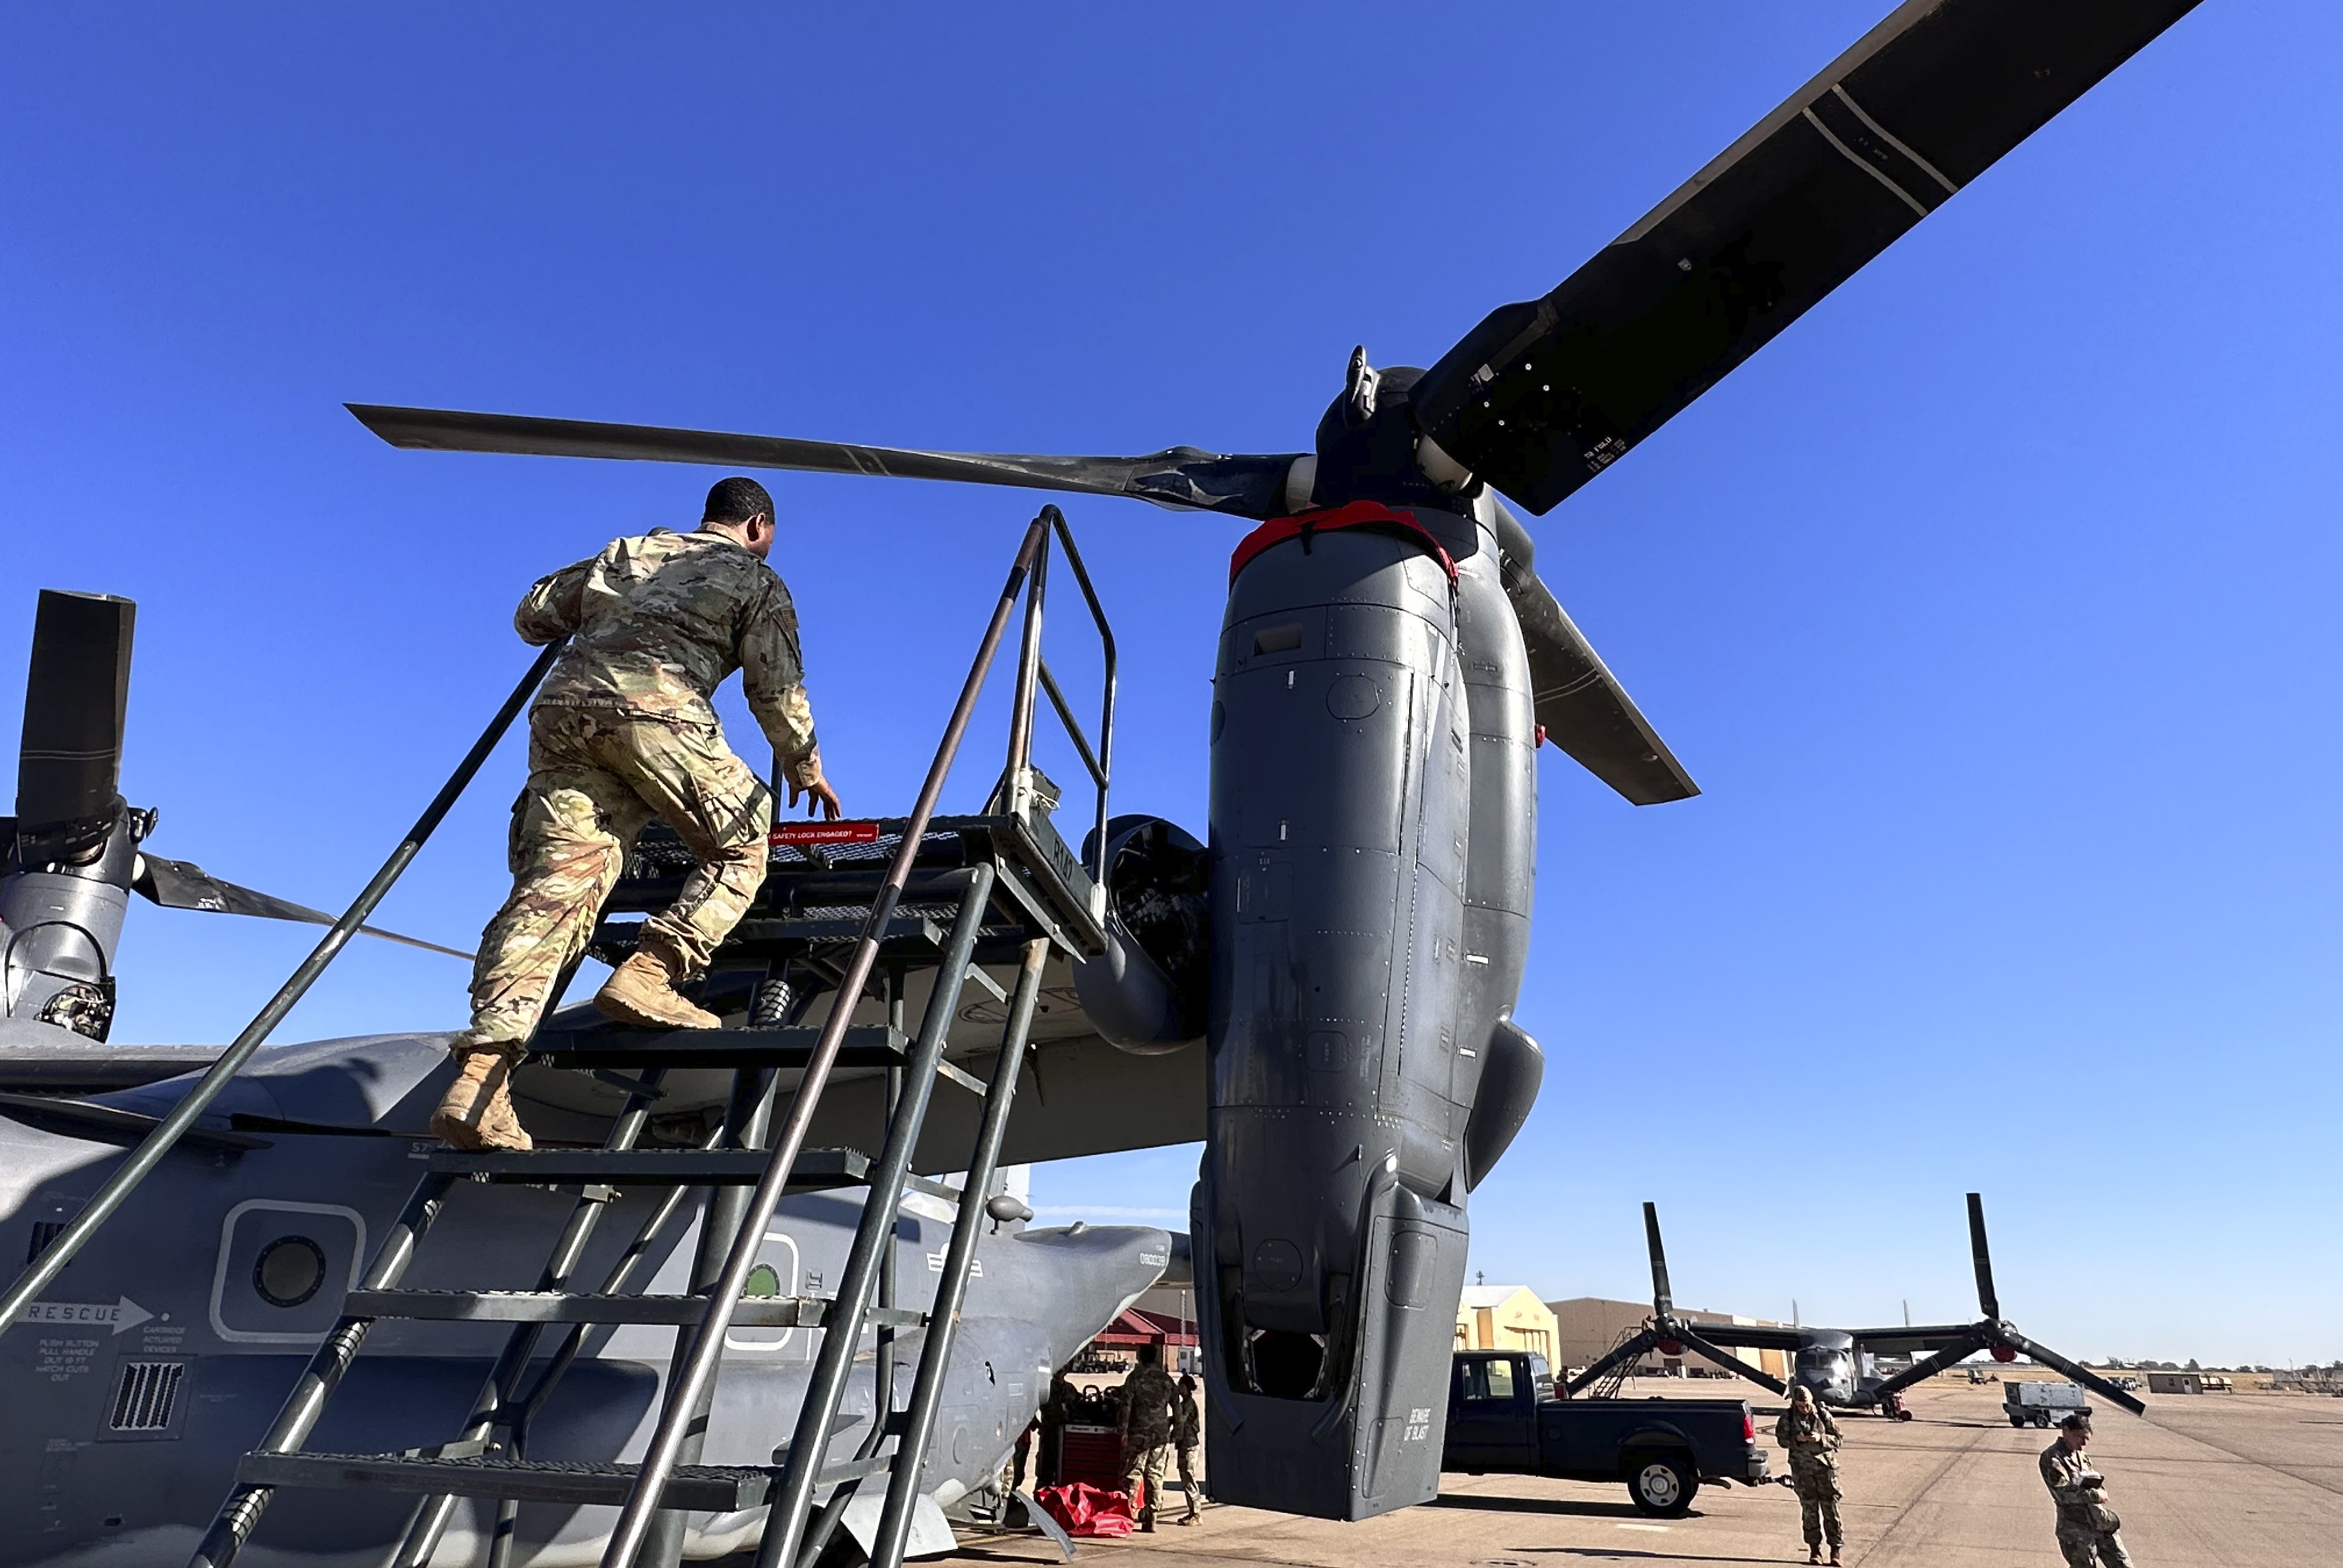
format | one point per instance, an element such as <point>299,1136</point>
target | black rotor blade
<point>1626,1350</point>
<point>1953,1354</point>
<point>1664,1303</point>
<point>1584,710</point>
<point>2075,1370</point>
<point>184,885</point>
<point>1245,485</point>
<point>1988,1302</point>
<point>1541,396</point>
<point>76,696</point>
<point>1726,1359</point>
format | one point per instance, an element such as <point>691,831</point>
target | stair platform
<point>816,1171</point>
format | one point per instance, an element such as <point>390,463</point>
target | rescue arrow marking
<point>123,1313</point>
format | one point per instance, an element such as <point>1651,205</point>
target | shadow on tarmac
<point>1488,1504</point>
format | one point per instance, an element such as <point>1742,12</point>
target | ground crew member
<point>621,732</point>
<point>1148,1396</point>
<point>1810,1434</point>
<point>2089,1530</point>
<point>1187,1431</point>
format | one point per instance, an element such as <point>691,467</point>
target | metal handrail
<point>1033,670</point>
<point>691,1380</point>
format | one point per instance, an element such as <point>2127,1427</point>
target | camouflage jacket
<point>1147,1396</point>
<point>659,620</point>
<point>1187,1421</point>
<point>2064,1472</point>
<point>1811,1434</point>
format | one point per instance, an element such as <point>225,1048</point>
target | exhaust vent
<point>148,1396</point>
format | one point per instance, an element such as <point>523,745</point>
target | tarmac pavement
<point>2204,1481</point>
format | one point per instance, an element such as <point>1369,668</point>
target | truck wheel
<point>2018,1422</point>
<point>1661,1483</point>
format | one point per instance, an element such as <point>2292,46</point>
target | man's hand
<point>807,783</point>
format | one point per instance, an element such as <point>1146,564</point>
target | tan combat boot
<point>477,1111</point>
<point>642,992</point>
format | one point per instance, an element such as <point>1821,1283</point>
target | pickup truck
<point>1504,1417</point>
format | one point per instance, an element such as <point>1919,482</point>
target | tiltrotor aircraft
<point>1841,1365</point>
<point>1348,949</point>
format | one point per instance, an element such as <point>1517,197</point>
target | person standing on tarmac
<point>621,732</point>
<point>1187,1431</point>
<point>2091,1531</point>
<point>1811,1435</point>
<point>1147,1422</point>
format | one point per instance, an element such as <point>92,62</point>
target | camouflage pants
<point>1817,1488</point>
<point>1188,1476</point>
<point>595,781</point>
<point>1145,1460</point>
<point>2087,1548</point>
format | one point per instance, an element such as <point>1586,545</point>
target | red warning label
<point>826,833</point>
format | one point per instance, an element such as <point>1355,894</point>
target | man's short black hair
<point>736,500</point>
<point>1151,1355</point>
<point>2075,1423</point>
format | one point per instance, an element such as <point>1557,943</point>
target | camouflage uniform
<point>1147,1399</point>
<point>2080,1537</point>
<point>1812,1437</point>
<point>621,732</point>
<point>1187,1431</point>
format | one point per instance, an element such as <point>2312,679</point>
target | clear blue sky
<point>1992,605</point>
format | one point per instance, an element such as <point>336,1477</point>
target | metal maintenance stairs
<point>917,894</point>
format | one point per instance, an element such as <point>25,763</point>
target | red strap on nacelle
<point>1356,515</point>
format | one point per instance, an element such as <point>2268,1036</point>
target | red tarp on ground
<point>1084,1510</point>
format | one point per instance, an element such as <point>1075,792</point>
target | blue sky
<point>1992,604</point>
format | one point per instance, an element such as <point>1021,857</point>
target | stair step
<point>772,928</point>
<point>563,1307</point>
<point>817,1169</point>
<point>724,1489</point>
<point>949,1193</point>
<point>864,1045</point>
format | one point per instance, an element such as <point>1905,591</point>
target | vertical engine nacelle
<point>1372,709</point>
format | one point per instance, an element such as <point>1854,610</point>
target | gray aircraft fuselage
<point>162,1352</point>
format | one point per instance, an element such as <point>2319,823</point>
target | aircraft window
<point>764,1280</point>
<point>288,1271</point>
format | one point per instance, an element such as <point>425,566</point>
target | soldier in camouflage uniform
<point>1811,1435</point>
<point>2090,1532</point>
<point>1187,1431</point>
<point>1147,1420</point>
<point>622,732</point>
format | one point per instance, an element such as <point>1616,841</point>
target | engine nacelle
<point>1148,992</point>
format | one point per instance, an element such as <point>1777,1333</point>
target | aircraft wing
<point>1750,1334</point>
<point>1914,1340</point>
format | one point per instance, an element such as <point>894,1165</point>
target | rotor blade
<point>1727,1359</point>
<point>1988,1302</point>
<point>1663,1301</point>
<point>2075,1371</point>
<point>1541,396</point>
<point>1953,1354</point>
<point>1626,1350</point>
<point>1583,709</point>
<point>76,696</point>
<point>184,885</point>
<point>1245,485</point>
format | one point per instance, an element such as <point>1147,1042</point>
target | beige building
<point>1505,1318</point>
<point>1587,1327</point>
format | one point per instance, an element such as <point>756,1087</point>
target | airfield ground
<point>2204,1481</point>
